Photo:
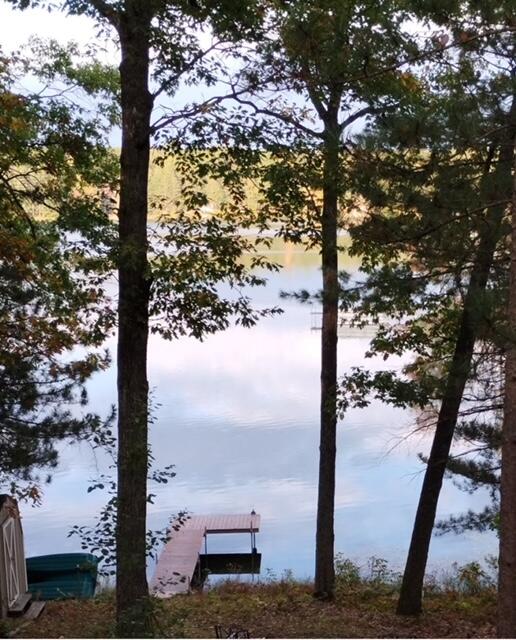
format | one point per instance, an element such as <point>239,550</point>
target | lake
<point>238,416</point>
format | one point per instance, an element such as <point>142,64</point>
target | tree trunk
<point>324,549</point>
<point>506,627</point>
<point>133,310</point>
<point>410,601</point>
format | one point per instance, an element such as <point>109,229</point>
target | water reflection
<point>238,416</point>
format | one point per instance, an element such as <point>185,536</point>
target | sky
<point>17,26</point>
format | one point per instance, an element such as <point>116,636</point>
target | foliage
<point>195,259</point>
<point>286,609</point>
<point>376,575</point>
<point>431,176</point>
<point>100,539</point>
<point>299,90</point>
<point>169,32</point>
<point>166,187</point>
<point>478,468</point>
<point>53,159</point>
<point>470,579</point>
<point>347,572</point>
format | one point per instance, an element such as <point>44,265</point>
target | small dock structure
<point>185,561</point>
<point>365,328</point>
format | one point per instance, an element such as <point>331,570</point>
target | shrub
<point>347,573</point>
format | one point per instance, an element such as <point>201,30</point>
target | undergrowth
<point>460,602</point>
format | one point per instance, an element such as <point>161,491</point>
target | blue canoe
<point>62,575</point>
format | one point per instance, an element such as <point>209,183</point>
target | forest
<point>148,180</point>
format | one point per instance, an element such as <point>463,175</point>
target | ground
<point>281,609</point>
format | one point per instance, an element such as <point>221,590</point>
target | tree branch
<point>279,116</point>
<point>194,110</point>
<point>428,54</point>
<point>363,112</point>
<point>188,67</point>
<point>107,11</point>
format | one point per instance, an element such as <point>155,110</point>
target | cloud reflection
<point>238,416</point>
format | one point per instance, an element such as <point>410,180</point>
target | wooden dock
<point>180,557</point>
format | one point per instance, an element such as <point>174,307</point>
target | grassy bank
<point>460,604</point>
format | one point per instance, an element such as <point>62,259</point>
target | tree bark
<point>324,548</point>
<point>410,600</point>
<point>133,312</point>
<point>506,627</point>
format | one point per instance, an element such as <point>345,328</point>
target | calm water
<point>238,416</point>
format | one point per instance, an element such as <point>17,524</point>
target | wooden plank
<point>20,604</point>
<point>35,610</point>
<point>234,523</point>
<point>176,564</point>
